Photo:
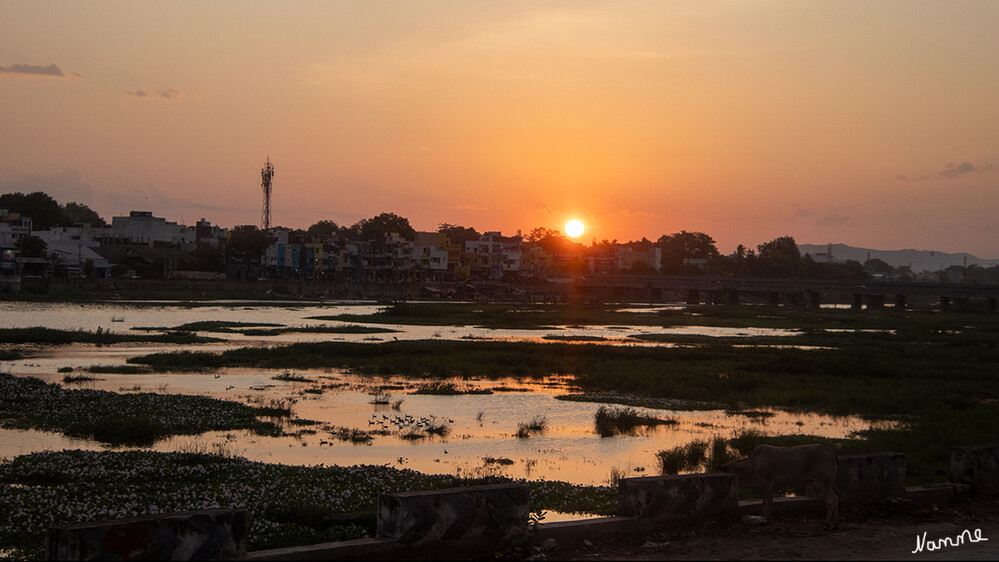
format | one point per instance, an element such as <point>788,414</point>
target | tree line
<point>682,253</point>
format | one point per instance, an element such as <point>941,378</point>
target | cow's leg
<point>832,505</point>
<point>768,498</point>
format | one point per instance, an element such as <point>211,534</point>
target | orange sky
<point>867,123</point>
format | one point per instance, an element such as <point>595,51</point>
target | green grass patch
<point>291,377</point>
<point>219,326</point>
<point>541,316</point>
<point>10,354</point>
<point>119,369</point>
<point>682,458</point>
<point>138,419</point>
<point>100,336</point>
<point>555,337</point>
<point>444,388</point>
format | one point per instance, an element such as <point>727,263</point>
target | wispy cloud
<point>169,94</point>
<point>627,213</point>
<point>952,171</point>
<point>33,69</point>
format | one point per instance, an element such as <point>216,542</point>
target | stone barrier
<point>870,478</point>
<point>977,466</point>
<point>494,513</point>
<point>217,534</point>
<point>687,499</point>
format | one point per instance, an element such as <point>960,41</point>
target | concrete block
<point>977,466</point>
<point>497,512</point>
<point>357,549</point>
<point>575,532</point>
<point>870,478</point>
<point>684,499</point>
<point>798,506</point>
<point>217,534</point>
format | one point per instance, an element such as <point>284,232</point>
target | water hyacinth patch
<point>286,505</point>
<point>122,419</point>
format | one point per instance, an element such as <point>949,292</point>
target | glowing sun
<point>574,228</point>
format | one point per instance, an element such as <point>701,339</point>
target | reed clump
<point>614,420</point>
<point>538,424</point>
<point>444,388</point>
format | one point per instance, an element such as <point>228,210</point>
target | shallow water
<point>481,426</point>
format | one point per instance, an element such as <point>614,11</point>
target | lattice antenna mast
<point>266,175</point>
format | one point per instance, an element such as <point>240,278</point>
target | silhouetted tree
<point>247,242</point>
<point>204,257</point>
<point>78,213</point>
<point>779,257</point>
<point>32,247</point>
<point>540,233</point>
<point>683,245</point>
<point>43,210</point>
<point>323,228</point>
<point>553,242</point>
<point>377,227</point>
<point>458,234</point>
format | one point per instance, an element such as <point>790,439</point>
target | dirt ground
<point>886,531</point>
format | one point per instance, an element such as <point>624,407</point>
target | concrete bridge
<point>794,292</point>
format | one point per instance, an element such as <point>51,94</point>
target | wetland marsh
<point>442,389</point>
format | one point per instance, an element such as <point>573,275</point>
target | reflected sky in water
<point>481,426</point>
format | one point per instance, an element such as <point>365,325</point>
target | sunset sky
<point>872,123</point>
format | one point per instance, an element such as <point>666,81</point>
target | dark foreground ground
<point>884,532</point>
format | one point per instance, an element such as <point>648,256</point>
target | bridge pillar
<point>813,299</point>
<point>733,296</point>
<point>899,302</point>
<point>774,298</point>
<point>875,301</point>
<point>693,296</point>
<point>944,303</point>
<point>858,302</point>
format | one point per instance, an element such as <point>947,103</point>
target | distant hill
<point>918,260</point>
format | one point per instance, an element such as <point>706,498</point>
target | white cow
<point>772,467</point>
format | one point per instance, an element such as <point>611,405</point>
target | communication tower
<point>266,174</point>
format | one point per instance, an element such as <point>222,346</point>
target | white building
<point>430,251</point>
<point>73,244</point>
<point>142,228</point>
<point>13,226</point>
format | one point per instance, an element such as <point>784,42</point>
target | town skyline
<point>923,259</point>
<point>846,122</point>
